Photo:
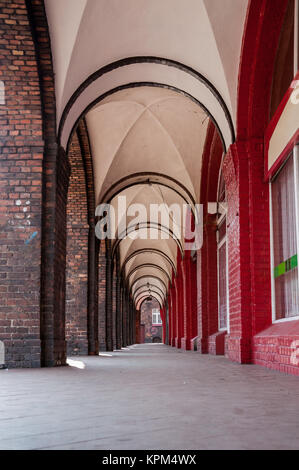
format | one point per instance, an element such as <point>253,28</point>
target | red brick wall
<point>21,153</point>
<point>77,255</point>
<point>146,319</point>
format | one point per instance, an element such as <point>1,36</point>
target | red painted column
<point>163,317</point>
<point>179,292</point>
<point>193,302</point>
<point>248,248</point>
<point>187,301</point>
<point>169,316</point>
<point>177,284</point>
<point>174,312</point>
<point>207,301</point>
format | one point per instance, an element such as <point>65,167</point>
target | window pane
<point>222,287</point>
<point>285,243</point>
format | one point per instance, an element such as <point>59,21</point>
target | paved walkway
<point>149,397</point>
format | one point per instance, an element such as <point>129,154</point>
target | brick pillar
<point>53,269</point>
<point>193,302</point>
<point>118,306</point>
<point>21,155</point>
<point>76,313</point>
<point>92,304</point>
<point>114,304</point>
<point>128,313</point>
<point>109,298</point>
<point>102,295</point>
<point>138,327</point>
<point>166,322</point>
<point>179,307</point>
<point>20,246</point>
<point>207,302</point>
<point>163,317</point>
<point>124,318</point>
<point>188,300</point>
<point>248,247</point>
<point>169,306</point>
<point>174,312</point>
<point>134,337</point>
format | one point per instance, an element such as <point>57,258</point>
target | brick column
<point>124,318</point>
<point>102,296</point>
<point>207,302</point>
<point>92,304</point>
<point>179,307</point>
<point>248,247</point>
<point>109,306</point>
<point>166,323</point>
<point>118,306</point>
<point>188,300</point>
<point>21,153</point>
<point>138,322</point>
<point>76,313</point>
<point>114,304</point>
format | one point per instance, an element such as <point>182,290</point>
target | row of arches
<point>160,128</point>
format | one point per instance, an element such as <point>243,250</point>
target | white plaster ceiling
<point>145,132</point>
<point>87,35</point>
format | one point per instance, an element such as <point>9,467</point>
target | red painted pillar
<point>174,312</point>
<point>189,301</point>
<point>248,247</point>
<point>169,316</point>
<point>163,317</point>
<point>179,292</point>
<point>207,284</point>
<point>193,300</point>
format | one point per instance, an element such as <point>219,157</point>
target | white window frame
<point>156,311</point>
<point>219,245</point>
<point>219,221</point>
<point>295,156</point>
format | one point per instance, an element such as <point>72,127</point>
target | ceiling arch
<point>141,300</point>
<point>148,265</point>
<point>157,73</point>
<point>145,295</point>
<point>149,178</point>
<point>150,287</point>
<point>190,36</point>
<point>148,278</point>
<point>148,77</point>
<point>150,251</point>
<point>142,227</point>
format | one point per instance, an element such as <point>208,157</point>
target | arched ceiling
<point>87,35</point>
<point>148,76</point>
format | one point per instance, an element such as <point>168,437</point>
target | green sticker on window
<point>285,266</point>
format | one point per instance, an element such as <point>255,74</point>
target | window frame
<point>294,154</point>
<point>159,316</point>
<point>220,220</point>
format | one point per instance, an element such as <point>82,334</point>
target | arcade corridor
<point>149,193</point>
<point>149,397</point>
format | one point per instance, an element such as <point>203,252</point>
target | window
<point>284,240</point>
<point>156,317</point>
<point>222,258</point>
<point>286,64</point>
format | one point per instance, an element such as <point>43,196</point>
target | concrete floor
<point>149,397</point>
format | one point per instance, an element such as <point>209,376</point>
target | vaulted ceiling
<point>148,76</point>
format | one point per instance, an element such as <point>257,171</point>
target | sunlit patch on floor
<point>77,364</point>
